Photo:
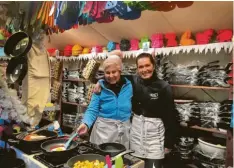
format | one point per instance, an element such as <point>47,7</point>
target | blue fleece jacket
<point>108,105</point>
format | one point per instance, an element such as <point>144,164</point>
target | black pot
<point>16,69</point>
<point>18,44</point>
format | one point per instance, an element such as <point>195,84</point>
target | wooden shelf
<point>75,104</point>
<point>200,87</point>
<point>212,130</point>
<point>75,80</point>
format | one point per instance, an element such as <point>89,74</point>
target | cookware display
<point>17,46</point>
<point>185,147</point>
<point>75,92</point>
<point>196,73</point>
<point>206,114</point>
<point>203,161</point>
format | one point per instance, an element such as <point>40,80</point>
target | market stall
<point>66,42</point>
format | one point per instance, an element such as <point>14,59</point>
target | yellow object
<point>88,164</point>
<point>76,50</point>
<point>104,49</point>
<point>49,104</point>
<point>185,39</point>
<point>86,50</point>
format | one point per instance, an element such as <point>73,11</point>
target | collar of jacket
<point>150,80</point>
<point>122,79</point>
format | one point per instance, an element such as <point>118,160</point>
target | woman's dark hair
<point>145,55</point>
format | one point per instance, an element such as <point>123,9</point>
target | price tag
<point>146,46</point>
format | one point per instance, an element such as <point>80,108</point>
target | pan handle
<point>122,153</point>
<point>213,62</point>
<point>13,142</point>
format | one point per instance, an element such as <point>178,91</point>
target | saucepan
<point>93,157</point>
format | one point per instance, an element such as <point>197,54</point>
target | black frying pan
<point>112,149</point>
<point>48,145</point>
<point>18,44</point>
<point>33,145</point>
<point>16,69</point>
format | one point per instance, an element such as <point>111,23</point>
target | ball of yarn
<point>125,45</point>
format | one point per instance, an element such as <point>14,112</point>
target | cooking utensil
<point>19,43</point>
<point>93,157</point>
<point>111,149</point>
<point>33,145</point>
<point>21,136</point>
<point>70,139</point>
<point>214,148</point>
<point>108,161</point>
<point>119,162</point>
<point>16,70</point>
<point>47,147</point>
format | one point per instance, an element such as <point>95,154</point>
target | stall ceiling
<point>198,17</point>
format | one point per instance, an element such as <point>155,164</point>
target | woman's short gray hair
<point>113,60</point>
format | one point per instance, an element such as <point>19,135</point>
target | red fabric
<point>117,46</point>
<point>52,51</point>
<point>134,44</point>
<point>204,37</point>
<point>171,39</point>
<point>68,50</point>
<point>224,35</point>
<point>157,40</point>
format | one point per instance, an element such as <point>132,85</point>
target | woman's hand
<point>97,88</point>
<point>82,129</point>
<point>166,150</point>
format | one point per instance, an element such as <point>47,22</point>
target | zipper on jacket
<point>116,98</point>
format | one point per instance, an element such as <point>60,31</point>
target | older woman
<point>111,108</point>
<point>154,124</point>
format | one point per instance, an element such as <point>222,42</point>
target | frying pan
<point>111,149</point>
<point>16,69</point>
<point>92,157</point>
<point>48,145</point>
<point>18,44</point>
<point>34,145</point>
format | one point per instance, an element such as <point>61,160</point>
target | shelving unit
<point>75,80</point>
<point>212,130</point>
<point>75,104</point>
<point>200,87</point>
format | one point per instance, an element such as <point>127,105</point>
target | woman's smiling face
<point>112,74</point>
<point>145,68</point>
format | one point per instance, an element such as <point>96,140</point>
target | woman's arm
<point>169,118</point>
<point>92,112</point>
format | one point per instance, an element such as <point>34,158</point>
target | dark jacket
<point>154,98</point>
